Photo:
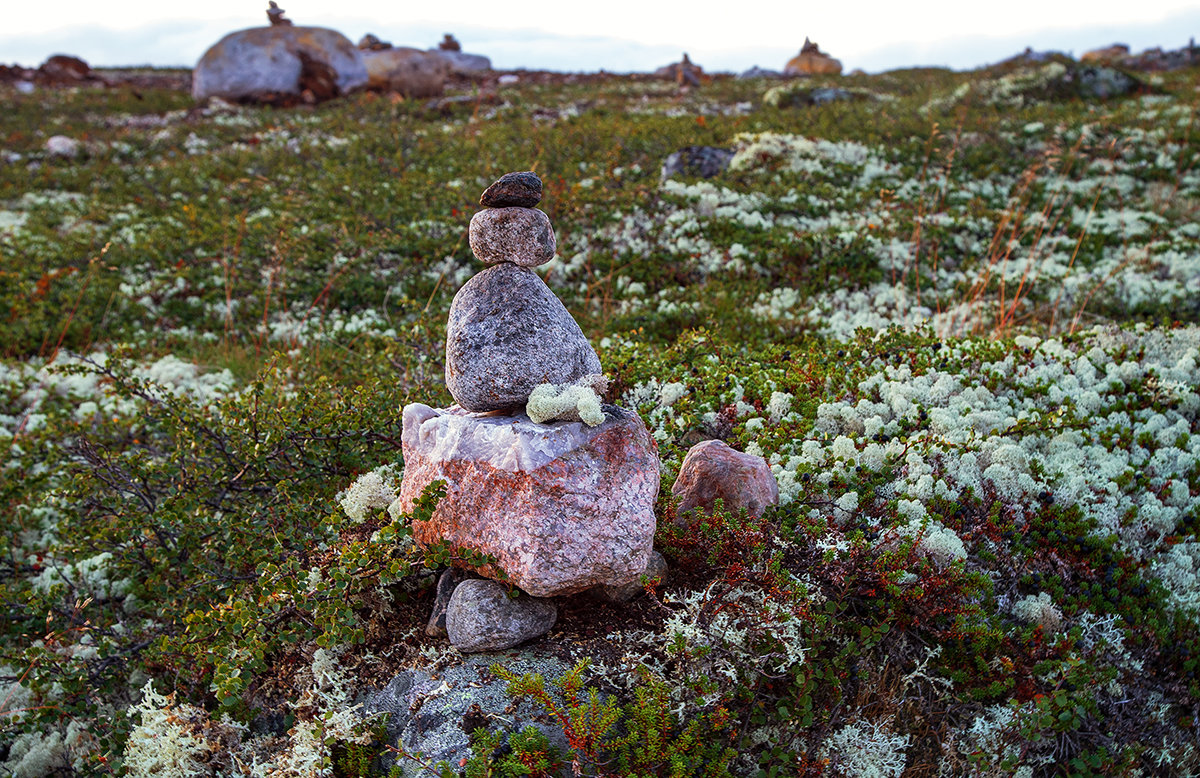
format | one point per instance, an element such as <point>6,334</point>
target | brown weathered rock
<point>449,43</point>
<point>275,15</point>
<point>522,236</point>
<point>522,189</point>
<point>65,69</point>
<point>1107,54</point>
<point>406,71</point>
<point>713,470</point>
<point>561,507</point>
<point>371,42</point>
<point>811,61</point>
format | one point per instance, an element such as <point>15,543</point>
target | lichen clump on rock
<point>579,401</point>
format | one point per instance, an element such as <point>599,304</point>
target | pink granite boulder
<point>712,470</point>
<point>561,507</point>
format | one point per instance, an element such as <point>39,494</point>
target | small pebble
<point>522,190</point>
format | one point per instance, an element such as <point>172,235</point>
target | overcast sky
<point>617,35</point>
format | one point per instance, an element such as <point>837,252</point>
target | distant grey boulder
<point>407,71</point>
<point>463,64</point>
<point>269,62</point>
<point>697,162</point>
<point>482,616</point>
<point>757,72</point>
<point>506,334</point>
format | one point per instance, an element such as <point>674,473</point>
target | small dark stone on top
<point>520,190</point>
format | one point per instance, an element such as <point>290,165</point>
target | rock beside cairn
<point>482,616</point>
<point>713,470</point>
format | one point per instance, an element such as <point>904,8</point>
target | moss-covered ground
<point>959,315</point>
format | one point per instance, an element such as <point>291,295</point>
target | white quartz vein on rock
<point>511,443</point>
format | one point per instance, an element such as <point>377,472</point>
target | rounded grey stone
<point>482,617</point>
<point>522,236</point>
<point>508,333</point>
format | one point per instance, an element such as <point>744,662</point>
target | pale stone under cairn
<point>562,507</point>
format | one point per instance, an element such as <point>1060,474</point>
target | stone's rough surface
<point>811,61</point>
<point>656,568</point>
<point>482,616</point>
<point>433,713</point>
<point>522,236</point>
<point>508,333</point>
<point>698,161</point>
<point>561,507</point>
<point>713,470</point>
<point>264,62</point>
<point>407,71</point>
<point>522,189</point>
<point>448,581</point>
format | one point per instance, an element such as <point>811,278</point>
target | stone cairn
<point>555,487</point>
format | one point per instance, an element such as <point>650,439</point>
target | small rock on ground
<point>482,616</point>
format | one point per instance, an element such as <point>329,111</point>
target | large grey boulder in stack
<point>482,616</point>
<point>507,334</point>
<point>269,61</point>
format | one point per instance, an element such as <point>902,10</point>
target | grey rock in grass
<point>522,189</point>
<point>697,161</point>
<point>522,236</point>
<point>433,713</point>
<point>463,64</point>
<point>406,71</point>
<point>447,582</point>
<point>656,568</point>
<point>482,616</point>
<point>506,334</point>
<point>265,62</point>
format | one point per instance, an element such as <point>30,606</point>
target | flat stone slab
<point>561,507</point>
